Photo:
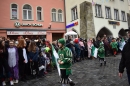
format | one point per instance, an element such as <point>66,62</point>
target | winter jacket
<point>125,59</point>
<point>77,49</point>
<point>33,56</point>
<point>20,55</point>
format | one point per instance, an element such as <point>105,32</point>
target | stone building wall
<point>87,29</point>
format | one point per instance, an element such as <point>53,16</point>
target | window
<point>39,13</point>
<point>53,14</point>
<point>123,15</point>
<point>116,14</point>
<point>108,12</point>
<point>27,12</point>
<point>74,13</point>
<point>60,15</point>
<point>14,11</point>
<point>98,10</point>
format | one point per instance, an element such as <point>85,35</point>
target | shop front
<point>32,34</point>
<point>32,31</point>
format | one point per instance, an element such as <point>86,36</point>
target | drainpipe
<point>65,15</point>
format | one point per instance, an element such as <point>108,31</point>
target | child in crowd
<point>114,46</point>
<point>77,49</point>
<point>46,55</point>
<point>101,54</point>
<point>4,67</point>
<point>48,59</point>
<point>41,64</point>
<point>33,57</point>
<point>13,62</point>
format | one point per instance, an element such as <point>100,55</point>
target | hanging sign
<point>114,22</point>
<point>18,24</point>
<point>26,33</point>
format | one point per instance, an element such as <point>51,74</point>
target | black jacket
<point>21,57</point>
<point>125,59</point>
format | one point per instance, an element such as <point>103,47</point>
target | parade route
<point>86,73</point>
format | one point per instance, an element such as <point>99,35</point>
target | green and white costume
<point>65,56</point>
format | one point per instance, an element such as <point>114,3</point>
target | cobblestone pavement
<point>86,73</point>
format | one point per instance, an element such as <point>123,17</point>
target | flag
<point>55,56</point>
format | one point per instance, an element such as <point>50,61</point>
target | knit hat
<point>76,40</point>
<point>62,41</point>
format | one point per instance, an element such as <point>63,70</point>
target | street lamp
<point>49,26</point>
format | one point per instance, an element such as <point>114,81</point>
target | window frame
<point>107,15</point>
<point>60,14</point>
<point>11,11</point>
<point>98,14</point>
<point>118,19</point>
<point>75,16</point>
<point>55,15</point>
<point>122,16</point>
<point>27,12</point>
<point>41,13</point>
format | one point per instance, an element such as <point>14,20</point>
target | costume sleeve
<point>122,62</point>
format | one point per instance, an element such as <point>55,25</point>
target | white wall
<point>99,22</point>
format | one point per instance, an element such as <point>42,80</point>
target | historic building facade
<point>32,19</point>
<point>92,18</point>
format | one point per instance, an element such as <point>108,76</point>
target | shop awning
<point>71,33</point>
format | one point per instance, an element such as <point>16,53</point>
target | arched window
<point>39,13</point>
<point>14,11</point>
<point>60,15</point>
<point>27,12</point>
<point>53,14</point>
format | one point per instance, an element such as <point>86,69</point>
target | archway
<point>104,31</point>
<point>122,33</point>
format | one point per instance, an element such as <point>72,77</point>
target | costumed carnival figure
<point>65,62</point>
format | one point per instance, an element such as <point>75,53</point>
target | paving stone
<point>86,73</point>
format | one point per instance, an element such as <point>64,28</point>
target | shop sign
<point>114,22</point>
<point>26,33</point>
<point>18,24</point>
<point>71,25</point>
